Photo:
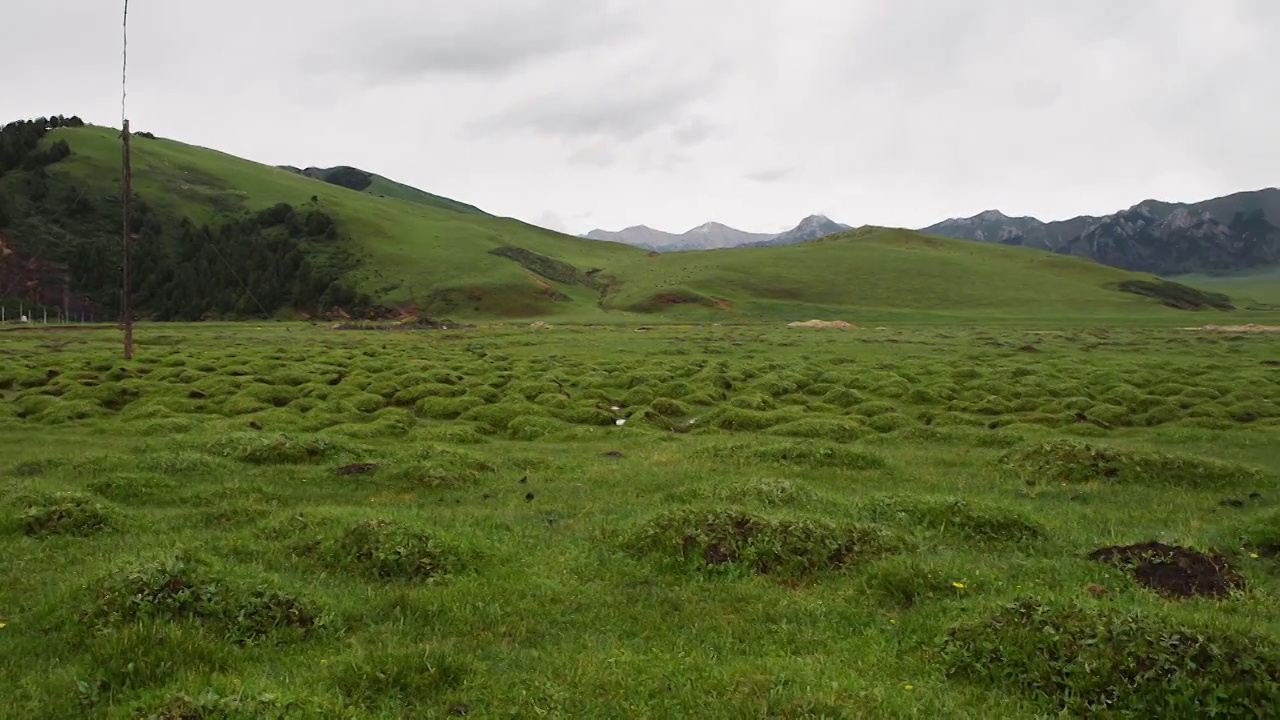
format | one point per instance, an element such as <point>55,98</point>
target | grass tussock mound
<point>389,550</point>
<point>1262,536</point>
<point>729,540</point>
<point>184,588</point>
<point>275,448</point>
<point>804,453</point>
<point>1087,660</point>
<point>1174,572</point>
<point>837,429</point>
<point>975,521</point>
<point>67,514</point>
<point>766,491</point>
<point>1074,461</point>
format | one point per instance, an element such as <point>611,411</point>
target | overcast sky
<point>576,114</point>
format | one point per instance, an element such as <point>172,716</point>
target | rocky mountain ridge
<point>1225,234</point>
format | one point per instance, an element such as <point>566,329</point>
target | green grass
<point>291,521</point>
<point>1258,288</point>
<point>461,265</point>
<point>390,188</point>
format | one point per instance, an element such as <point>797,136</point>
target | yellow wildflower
<point>1252,555</point>
<point>908,686</point>
<point>958,585</point>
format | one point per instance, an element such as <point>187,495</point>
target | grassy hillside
<point>1259,288</point>
<point>399,252</point>
<point>874,272</point>
<point>412,252</point>
<point>392,189</point>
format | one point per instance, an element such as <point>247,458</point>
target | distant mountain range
<point>716,236</point>
<point>1225,234</point>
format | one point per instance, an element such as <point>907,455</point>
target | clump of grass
<point>1086,660</point>
<point>532,427</point>
<point>666,407</point>
<point>976,521</point>
<point>408,677</point>
<point>388,550</point>
<point>905,581</point>
<point>446,408</point>
<point>585,415</point>
<point>1074,461</point>
<point>1261,535</point>
<point>236,704</point>
<point>734,418</point>
<point>804,453</point>
<point>186,588</point>
<point>844,398</point>
<point>727,540</point>
<point>453,433</point>
<point>498,416</point>
<point>62,411</point>
<point>839,429</point>
<point>766,491</point>
<point>67,513</point>
<point>274,448</point>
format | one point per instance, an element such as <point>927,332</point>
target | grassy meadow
<point>296,521</point>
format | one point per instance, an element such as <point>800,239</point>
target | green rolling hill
<point>220,236</point>
<point>373,184</point>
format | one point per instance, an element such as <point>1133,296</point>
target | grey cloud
<point>693,131</point>
<point>594,156</point>
<point>479,37</point>
<point>620,110</point>
<point>768,175</point>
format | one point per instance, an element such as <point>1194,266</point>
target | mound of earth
<point>836,324</point>
<point>1176,572</point>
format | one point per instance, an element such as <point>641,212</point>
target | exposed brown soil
<point>1175,572</point>
<point>834,324</point>
<point>357,469</point>
<point>1250,328</point>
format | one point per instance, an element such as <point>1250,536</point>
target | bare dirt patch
<point>833,324</point>
<point>1250,328</point>
<point>1174,572</point>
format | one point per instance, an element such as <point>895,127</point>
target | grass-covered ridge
<point>286,520</point>
<point>207,250</point>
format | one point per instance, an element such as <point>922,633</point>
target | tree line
<point>63,236</point>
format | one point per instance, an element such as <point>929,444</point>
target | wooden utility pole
<point>127,181</point>
<point>127,289</point>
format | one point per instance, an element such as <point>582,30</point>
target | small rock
<point>528,497</point>
<point>255,425</point>
<point>458,710</point>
